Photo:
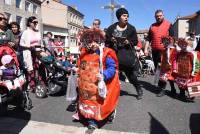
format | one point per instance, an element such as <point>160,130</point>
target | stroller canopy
<point>6,49</point>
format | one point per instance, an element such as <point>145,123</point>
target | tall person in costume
<point>157,30</point>
<point>92,105</point>
<point>122,37</point>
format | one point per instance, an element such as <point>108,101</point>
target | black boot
<point>161,85</point>
<point>182,95</point>
<point>161,93</point>
<point>173,92</point>
<point>139,92</point>
<point>173,89</point>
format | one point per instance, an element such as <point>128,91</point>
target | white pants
<point>28,62</point>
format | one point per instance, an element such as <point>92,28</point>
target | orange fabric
<point>91,105</point>
<point>157,32</point>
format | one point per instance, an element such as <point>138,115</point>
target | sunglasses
<point>35,22</point>
<point>3,18</point>
<point>95,23</point>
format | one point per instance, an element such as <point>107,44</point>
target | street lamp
<point>112,6</point>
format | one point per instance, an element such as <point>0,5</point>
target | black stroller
<point>53,73</point>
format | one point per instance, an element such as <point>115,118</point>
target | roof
<point>192,16</point>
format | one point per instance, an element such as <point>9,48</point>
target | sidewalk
<point>15,126</point>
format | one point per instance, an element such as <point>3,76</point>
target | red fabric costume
<point>167,59</point>
<point>187,69</point>
<point>91,105</point>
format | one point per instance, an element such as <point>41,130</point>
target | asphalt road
<point>151,115</point>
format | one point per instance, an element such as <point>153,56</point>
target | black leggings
<point>131,74</point>
<point>156,55</point>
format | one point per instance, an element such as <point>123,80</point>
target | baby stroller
<point>146,65</point>
<point>13,85</point>
<point>55,75</point>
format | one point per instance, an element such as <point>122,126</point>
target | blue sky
<point>141,12</point>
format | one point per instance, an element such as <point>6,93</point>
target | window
<point>18,3</point>
<point>35,9</point>
<point>27,6</point>
<point>19,20</point>
<point>9,17</point>
<point>8,2</point>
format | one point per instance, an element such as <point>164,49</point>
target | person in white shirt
<point>30,43</point>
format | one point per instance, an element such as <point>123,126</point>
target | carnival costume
<point>91,104</point>
<point>167,58</point>
<point>186,69</point>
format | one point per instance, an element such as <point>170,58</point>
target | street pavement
<point>151,115</point>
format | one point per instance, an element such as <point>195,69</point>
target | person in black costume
<point>122,37</point>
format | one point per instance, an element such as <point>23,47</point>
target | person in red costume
<point>96,64</point>
<point>157,30</point>
<point>186,70</point>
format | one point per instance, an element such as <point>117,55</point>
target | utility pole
<point>112,6</point>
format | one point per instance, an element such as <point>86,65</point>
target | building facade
<point>54,19</point>
<point>186,24</point>
<point>20,10</point>
<point>181,27</point>
<point>75,24</point>
<point>194,23</point>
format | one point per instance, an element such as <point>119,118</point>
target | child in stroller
<point>13,86</point>
<point>55,75</point>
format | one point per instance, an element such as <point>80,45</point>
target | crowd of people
<point>104,55</point>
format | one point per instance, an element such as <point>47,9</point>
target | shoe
<point>140,93</point>
<point>126,80</point>
<point>90,129</point>
<point>173,92</point>
<point>112,116</point>
<point>76,116</point>
<point>191,99</point>
<point>162,93</point>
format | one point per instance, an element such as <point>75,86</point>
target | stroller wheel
<point>40,91</point>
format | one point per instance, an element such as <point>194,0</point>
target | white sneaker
<point>126,80</point>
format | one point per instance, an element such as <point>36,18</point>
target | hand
<point>146,53</point>
<point>113,40</point>
<point>43,54</point>
<point>75,69</point>
<point>175,71</point>
<point>126,42</point>
<point>11,44</point>
<point>99,76</point>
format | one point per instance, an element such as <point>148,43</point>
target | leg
<point>131,73</point>
<point>156,55</point>
<point>92,125</point>
<point>173,89</point>
<point>182,94</point>
<point>162,86</point>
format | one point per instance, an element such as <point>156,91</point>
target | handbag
<point>102,89</point>
<point>71,93</point>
